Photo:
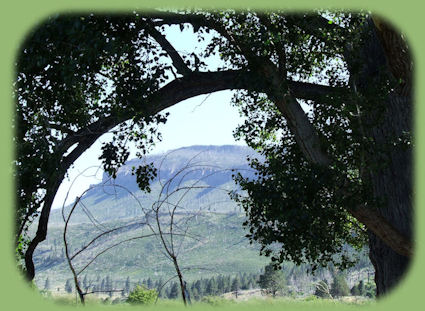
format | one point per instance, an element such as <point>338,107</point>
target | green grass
<point>214,303</point>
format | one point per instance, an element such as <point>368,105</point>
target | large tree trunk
<point>392,179</point>
<point>393,183</point>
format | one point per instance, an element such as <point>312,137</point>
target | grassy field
<point>213,303</point>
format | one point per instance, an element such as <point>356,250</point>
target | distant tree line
<point>197,289</point>
<point>213,286</point>
<point>271,281</point>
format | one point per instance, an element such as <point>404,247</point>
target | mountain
<point>209,168</point>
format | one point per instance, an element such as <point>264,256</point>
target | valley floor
<point>252,297</point>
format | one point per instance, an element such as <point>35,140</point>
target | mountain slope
<point>209,167</point>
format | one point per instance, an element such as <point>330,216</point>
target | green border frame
<point>20,17</point>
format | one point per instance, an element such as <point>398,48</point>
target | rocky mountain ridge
<point>210,167</point>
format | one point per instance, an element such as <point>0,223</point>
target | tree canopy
<point>327,97</point>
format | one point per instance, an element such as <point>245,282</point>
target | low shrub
<point>142,295</point>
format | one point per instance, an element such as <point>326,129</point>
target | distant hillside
<point>208,166</point>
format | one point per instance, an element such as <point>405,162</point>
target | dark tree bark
<point>393,183</point>
<point>180,276</point>
<point>41,233</point>
<point>392,180</point>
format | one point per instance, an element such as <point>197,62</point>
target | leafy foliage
<point>73,73</point>
<point>339,286</point>
<point>291,203</point>
<point>296,209</point>
<point>142,295</point>
<point>362,288</point>
<point>272,281</point>
<point>370,290</point>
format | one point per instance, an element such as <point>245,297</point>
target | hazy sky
<point>202,120</point>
